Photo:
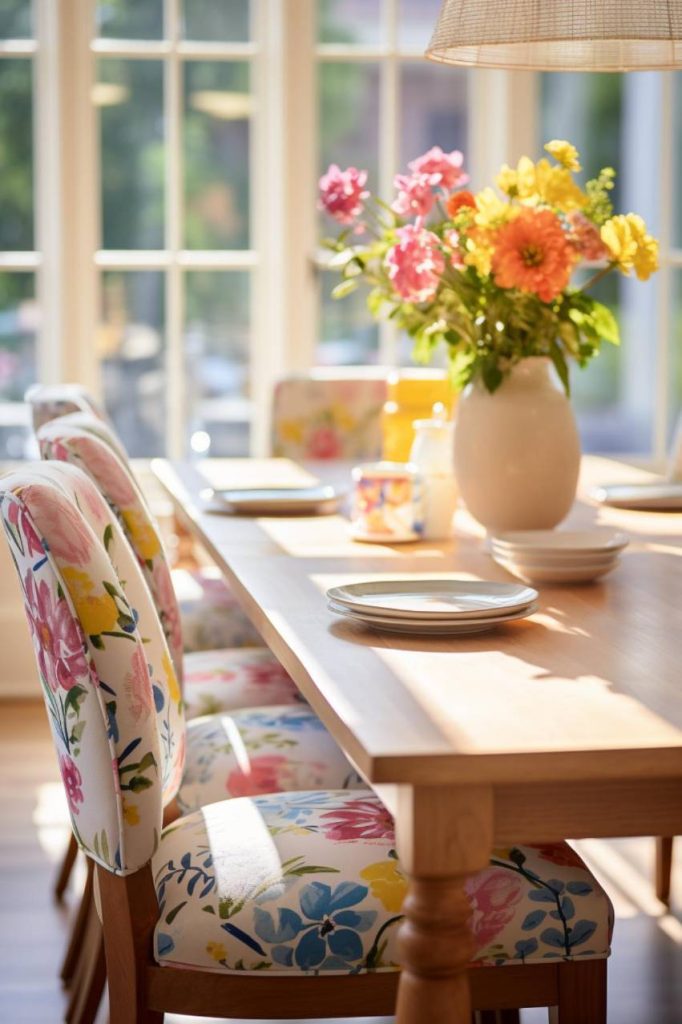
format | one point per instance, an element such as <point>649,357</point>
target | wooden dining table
<point>567,724</point>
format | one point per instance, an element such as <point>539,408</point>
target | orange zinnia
<point>533,255</point>
<point>459,199</point>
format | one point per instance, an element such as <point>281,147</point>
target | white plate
<point>439,627</point>
<point>278,500</point>
<point>656,497</point>
<point>433,599</point>
<point>575,560</point>
<point>556,541</point>
<point>549,574</point>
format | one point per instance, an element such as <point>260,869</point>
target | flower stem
<point>598,276</point>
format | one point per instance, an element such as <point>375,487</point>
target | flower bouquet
<point>489,274</point>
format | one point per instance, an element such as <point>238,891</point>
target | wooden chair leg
<point>582,993</point>
<point>128,941</point>
<point>78,927</point>
<point>664,866</point>
<point>91,976</point>
<point>65,869</point>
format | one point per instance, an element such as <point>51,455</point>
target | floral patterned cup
<point>388,502</point>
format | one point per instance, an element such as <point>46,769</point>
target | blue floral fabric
<point>310,883</point>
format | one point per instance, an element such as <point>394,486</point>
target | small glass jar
<point>411,396</point>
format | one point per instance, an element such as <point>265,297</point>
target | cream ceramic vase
<point>517,451</point>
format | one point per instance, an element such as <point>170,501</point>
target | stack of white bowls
<point>549,556</point>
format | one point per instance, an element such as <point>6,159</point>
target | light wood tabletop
<point>565,724</point>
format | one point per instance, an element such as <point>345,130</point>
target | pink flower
<point>266,673</point>
<point>20,518</point>
<point>493,894</point>
<point>138,686</point>
<point>447,167</point>
<point>363,818</point>
<point>68,535</point>
<point>58,641</point>
<point>267,774</point>
<point>342,193</point>
<point>73,781</point>
<point>324,443</point>
<point>167,603</point>
<point>105,467</point>
<point>584,236</point>
<point>91,497</point>
<point>415,263</point>
<point>415,194</point>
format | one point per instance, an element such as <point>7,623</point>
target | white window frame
<point>284,56</point>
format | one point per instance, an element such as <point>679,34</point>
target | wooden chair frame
<point>140,991</point>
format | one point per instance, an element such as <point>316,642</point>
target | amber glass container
<point>412,393</point>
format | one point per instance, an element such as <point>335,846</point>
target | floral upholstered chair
<point>211,616</point>
<point>219,679</point>
<point>329,414</point>
<point>221,906</point>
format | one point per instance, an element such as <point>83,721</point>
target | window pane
<point>130,345</point>
<point>348,124</point>
<point>217,337</point>
<point>348,335</point>
<point>15,19</point>
<point>675,354</point>
<point>18,328</point>
<point>433,105</point>
<point>677,151</point>
<point>218,108</point>
<point>217,20</point>
<point>614,120</point>
<point>16,155</point>
<point>417,20</point>
<point>130,19</point>
<point>349,21</point>
<point>130,96</point>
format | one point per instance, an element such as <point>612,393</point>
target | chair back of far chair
<point>49,401</point>
<point>329,414</point>
<point>79,441</point>
<point>112,698</point>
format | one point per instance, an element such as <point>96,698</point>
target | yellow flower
<point>631,247</point>
<point>387,884</point>
<point>97,614</point>
<point>291,430</point>
<point>541,183</point>
<point>555,187</point>
<point>491,211</point>
<point>131,814</point>
<point>171,679</point>
<point>564,153</point>
<point>216,950</point>
<point>144,537</point>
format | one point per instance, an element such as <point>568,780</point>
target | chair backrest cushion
<point>103,693</point>
<point>63,441</point>
<point>328,417</point>
<point>49,401</point>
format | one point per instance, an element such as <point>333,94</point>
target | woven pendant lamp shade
<point>559,35</point>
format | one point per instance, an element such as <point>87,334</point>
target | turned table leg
<point>444,835</point>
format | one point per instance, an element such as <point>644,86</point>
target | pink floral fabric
<point>321,417</point>
<point>228,680</point>
<point>266,884</point>
<point>48,402</point>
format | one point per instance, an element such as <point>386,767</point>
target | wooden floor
<point>645,974</point>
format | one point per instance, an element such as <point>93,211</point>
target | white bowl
<point>552,574</point>
<point>561,541</point>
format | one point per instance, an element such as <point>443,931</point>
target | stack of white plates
<point>547,556</point>
<point>432,606</point>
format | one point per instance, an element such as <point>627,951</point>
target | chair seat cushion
<point>261,750</point>
<point>242,677</point>
<point>210,613</point>
<point>309,882</point>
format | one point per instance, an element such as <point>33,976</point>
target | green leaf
<point>147,761</point>
<point>557,357</point>
<point>138,783</point>
<point>77,732</point>
<point>171,915</point>
<point>311,869</point>
<point>110,588</point>
<point>492,376</point>
<point>108,536</point>
<point>209,909</point>
<point>73,699</point>
<point>605,323</point>
<point>345,288</point>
